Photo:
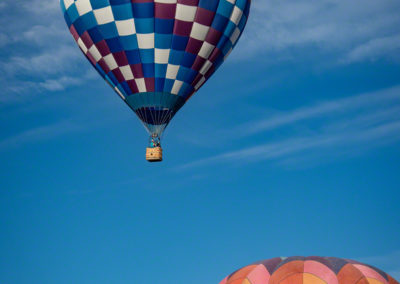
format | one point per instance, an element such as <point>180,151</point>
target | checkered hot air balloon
<point>309,270</point>
<point>156,54</point>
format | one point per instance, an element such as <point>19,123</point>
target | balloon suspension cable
<point>161,120</point>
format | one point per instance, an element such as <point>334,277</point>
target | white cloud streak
<point>42,55</point>
<point>41,7</point>
<point>346,30</point>
<point>374,49</point>
<point>350,31</point>
<point>286,148</point>
<point>4,39</point>
<point>40,133</point>
<point>51,62</point>
<point>379,98</point>
<point>354,123</point>
<point>63,82</point>
<point>40,34</point>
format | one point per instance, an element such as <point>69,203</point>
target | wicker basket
<point>154,154</point>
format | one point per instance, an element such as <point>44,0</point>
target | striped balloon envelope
<point>309,270</point>
<point>156,54</point>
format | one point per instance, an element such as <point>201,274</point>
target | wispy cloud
<point>4,39</point>
<point>17,92</point>
<point>346,30</point>
<point>43,64</point>
<point>375,48</point>
<point>63,82</point>
<point>286,148</point>
<point>349,124</point>
<point>77,118</point>
<point>380,98</point>
<point>41,55</point>
<point>41,34</point>
<point>40,133</point>
<point>42,6</point>
<point>40,51</point>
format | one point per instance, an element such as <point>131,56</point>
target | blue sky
<point>292,148</point>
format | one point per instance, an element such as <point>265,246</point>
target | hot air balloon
<point>156,54</point>
<point>309,270</point>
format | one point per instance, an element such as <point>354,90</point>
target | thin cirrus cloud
<point>42,6</point>
<point>349,31</point>
<point>347,125</point>
<point>374,48</point>
<point>348,104</point>
<point>40,133</point>
<point>77,123</point>
<point>60,83</point>
<point>43,64</point>
<point>41,55</point>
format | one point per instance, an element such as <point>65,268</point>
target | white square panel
<point>206,67</point>
<point>141,84</point>
<point>95,53</point>
<point>199,31</point>
<point>82,45</point>
<point>146,40</point>
<point>185,12</point>
<point>236,15</point>
<point>104,15</point>
<point>126,27</point>
<point>109,59</point>
<point>68,3</point>
<point>172,71</point>
<point>161,56</point>
<point>126,72</point>
<point>177,87</point>
<point>206,50</point>
<point>83,7</point>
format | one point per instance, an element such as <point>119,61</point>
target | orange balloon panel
<point>309,270</point>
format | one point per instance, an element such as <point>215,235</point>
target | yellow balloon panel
<point>240,281</point>
<point>374,281</point>
<point>312,279</point>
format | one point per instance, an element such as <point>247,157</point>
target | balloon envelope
<point>156,53</point>
<point>309,270</point>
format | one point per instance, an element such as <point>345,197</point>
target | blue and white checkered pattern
<point>156,47</point>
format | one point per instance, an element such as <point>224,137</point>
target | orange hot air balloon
<point>309,270</point>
